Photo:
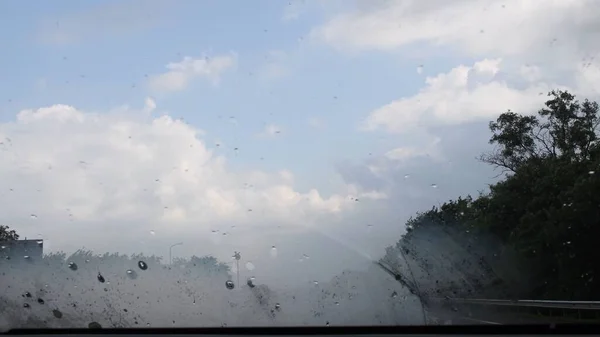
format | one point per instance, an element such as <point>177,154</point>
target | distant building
<point>33,249</point>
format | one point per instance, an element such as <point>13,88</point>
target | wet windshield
<point>292,163</point>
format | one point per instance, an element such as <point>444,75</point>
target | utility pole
<point>237,257</point>
<point>170,248</point>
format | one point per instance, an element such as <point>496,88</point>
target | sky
<point>281,129</point>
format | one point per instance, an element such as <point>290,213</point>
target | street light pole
<point>170,248</point>
<point>237,257</point>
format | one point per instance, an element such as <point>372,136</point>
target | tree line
<point>546,208</point>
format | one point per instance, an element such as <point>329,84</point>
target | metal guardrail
<point>578,305</point>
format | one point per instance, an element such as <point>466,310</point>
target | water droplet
<point>420,69</point>
<point>337,303</point>
<point>406,176</point>
<point>592,172</point>
<point>2,247</point>
<point>316,282</point>
<point>229,284</point>
<point>27,294</point>
<point>306,257</point>
<point>394,294</point>
<point>26,305</point>
<point>147,324</point>
<point>249,265</point>
<point>277,306</point>
<point>273,251</point>
<point>57,313</point>
<point>40,301</point>
<point>152,232</point>
<point>94,325</point>
<point>131,274</point>
<point>40,242</point>
<point>101,278</point>
<point>327,323</point>
<point>434,185</point>
<point>26,257</point>
<point>142,265</point>
<point>33,216</point>
<point>72,266</point>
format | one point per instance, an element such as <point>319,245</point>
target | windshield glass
<point>293,163</point>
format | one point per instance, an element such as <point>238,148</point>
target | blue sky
<point>104,69</point>
<point>383,101</point>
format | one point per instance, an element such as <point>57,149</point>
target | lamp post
<point>237,257</point>
<point>170,248</point>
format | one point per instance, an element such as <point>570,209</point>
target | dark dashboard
<point>375,331</point>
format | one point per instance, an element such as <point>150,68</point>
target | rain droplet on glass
<point>273,251</point>
<point>131,274</point>
<point>229,284</point>
<point>434,185</point>
<point>142,265</point>
<point>72,266</point>
<point>249,265</point>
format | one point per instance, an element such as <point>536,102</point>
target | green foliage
<point>7,234</point>
<point>547,207</point>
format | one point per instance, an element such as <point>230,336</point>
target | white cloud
<point>507,27</point>
<point>405,153</point>
<point>180,74</point>
<point>524,48</point>
<point>464,94</point>
<point>136,173</point>
<point>149,104</point>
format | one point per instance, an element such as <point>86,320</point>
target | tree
<point>564,129</point>
<point>545,210</point>
<point>7,234</point>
